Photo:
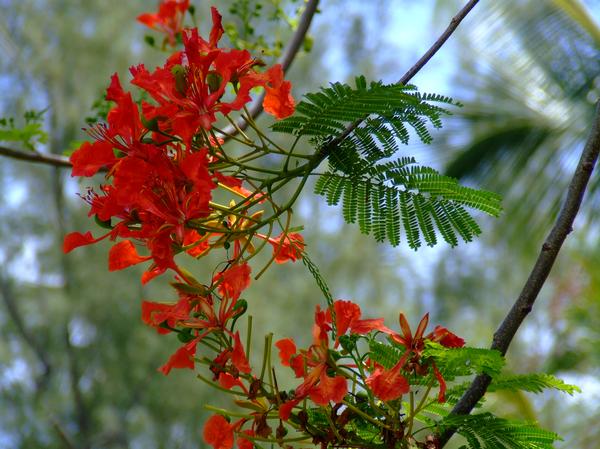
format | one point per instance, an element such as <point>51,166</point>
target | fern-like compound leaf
<point>486,431</point>
<point>386,197</point>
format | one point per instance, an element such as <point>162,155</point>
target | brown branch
<point>456,20</point>
<point>285,60</point>
<point>8,296</point>
<point>36,157</point>
<point>548,253</point>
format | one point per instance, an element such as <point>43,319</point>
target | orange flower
<point>168,19</point>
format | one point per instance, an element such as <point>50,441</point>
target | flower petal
<point>77,239</point>
<point>182,358</point>
<point>218,432</point>
<point>388,385</point>
<point>123,255</point>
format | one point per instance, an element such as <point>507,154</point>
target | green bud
<point>103,224</point>
<point>151,124</point>
<point>178,72</point>
<point>307,45</point>
<point>241,304</point>
<point>185,336</point>
<point>348,342</point>
<point>149,40</point>
<point>214,81</point>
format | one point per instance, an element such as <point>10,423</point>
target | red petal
<point>77,239</point>
<point>278,97</point>
<point>243,443</point>
<point>238,356</point>
<point>388,385</point>
<point>440,378</point>
<point>150,274</point>
<point>365,326</point>
<point>147,19</point>
<point>405,327</point>
<point>287,248</point>
<point>227,381</point>
<point>218,433</point>
<point>148,309</point>
<point>287,348</point>
<point>91,157</point>
<point>285,409</point>
<point>234,280</point>
<point>181,359</point>
<point>217,29</point>
<point>115,91</point>
<point>123,255</point>
<point>446,338</point>
<point>346,312</point>
<point>329,389</point>
<point>421,328</point>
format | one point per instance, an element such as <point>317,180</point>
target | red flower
<point>278,98</point>
<point>244,443</point>
<point>287,247</point>
<point>77,239</point>
<point>446,338</point>
<point>182,358</point>
<point>238,355</point>
<point>155,314</point>
<point>317,384</point>
<point>91,157</point>
<point>234,280</point>
<point>347,317</point>
<point>168,19</point>
<point>388,385</point>
<point>415,344</point>
<point>218,432</point>
<point>123,255</point>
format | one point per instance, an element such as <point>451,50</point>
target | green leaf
<point>453,362</point>
<point>384,196</point>
<point>486,431</point>
<point>533,383</point>
<point>384,354</point>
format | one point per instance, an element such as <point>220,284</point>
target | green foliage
<point>99,109</point>
<point>386,355</point>
<point>30,134</point>
<point>383,195</point>
<point>249,17</point>
<point>486,431</point>
<point>453,362</point>
<point>533,383</point>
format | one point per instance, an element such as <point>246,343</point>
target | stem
<point>364,415</point>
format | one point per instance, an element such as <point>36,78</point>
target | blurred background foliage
<point>77,366</point>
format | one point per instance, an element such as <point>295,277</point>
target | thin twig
<point>540,271</point>
<point>28,337</point>
<point>456,20</point>
<point>36,157</point>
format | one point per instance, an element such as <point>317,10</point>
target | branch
<point>29,338</point>
<point>549,251</point>
<point>285,60</point>
<point>456,20</point>
<point>34,156</point>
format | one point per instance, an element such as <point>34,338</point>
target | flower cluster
<point>163,161</point>
<point>332,371</point>
<point>166,165</point>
